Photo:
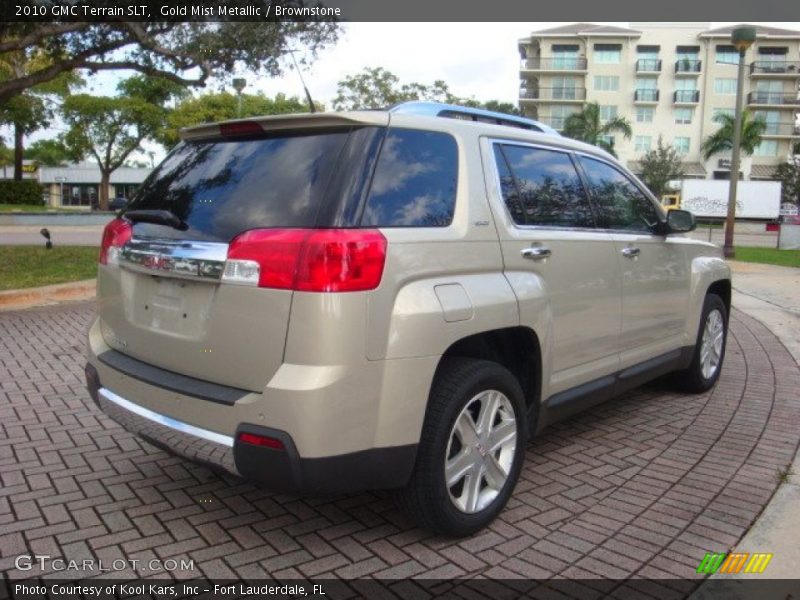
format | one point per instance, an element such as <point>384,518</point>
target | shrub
<point>21,192</point>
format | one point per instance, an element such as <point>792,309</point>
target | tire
<point>702,373</point>
<point>463,391</point>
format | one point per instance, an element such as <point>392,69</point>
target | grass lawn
<point>769,256</point>
<point>38,208</point>
<point>33,266</point>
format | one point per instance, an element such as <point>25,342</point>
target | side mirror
<point>680,221</point>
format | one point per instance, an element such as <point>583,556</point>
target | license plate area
<point>166,305</point>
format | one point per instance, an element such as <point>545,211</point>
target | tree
<point>788,174</point>
<point>659,166</point>
<point>587,126</point>
<point>210,108</point>
<point>187,53</point>
<point>50,153</point>
<point>33,108</point>
<point>379,88</point>
<point>722,139</point>
<point>110,129</point>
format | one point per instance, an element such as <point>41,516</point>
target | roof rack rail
<point>452,111</point>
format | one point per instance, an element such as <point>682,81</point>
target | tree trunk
<point>18,149</point>
<point>105,179</point>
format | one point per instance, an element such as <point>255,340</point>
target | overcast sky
<point>475,59</point>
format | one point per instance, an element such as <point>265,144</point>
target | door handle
<point>536,252</point>
<point>631,252</point>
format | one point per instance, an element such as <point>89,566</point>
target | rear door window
<point>542,187</point>
<point>415,181</point>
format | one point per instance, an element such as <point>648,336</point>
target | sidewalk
<point>771,295</point>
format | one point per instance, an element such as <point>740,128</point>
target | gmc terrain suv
<point>327,303</point>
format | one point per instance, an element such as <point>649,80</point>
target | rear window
<point>223,187</point>
<point>415,181</point>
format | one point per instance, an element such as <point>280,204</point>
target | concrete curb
<point>49,294</point>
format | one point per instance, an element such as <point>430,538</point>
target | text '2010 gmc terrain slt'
<point>329,303</point>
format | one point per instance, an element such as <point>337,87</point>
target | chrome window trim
<point>198,261</point>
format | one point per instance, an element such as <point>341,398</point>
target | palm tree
<point>722,139</point>
<point>587,126</point>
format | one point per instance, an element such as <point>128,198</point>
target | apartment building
<point>669,80</point>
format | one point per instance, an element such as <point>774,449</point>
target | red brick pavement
<point>641,486</point>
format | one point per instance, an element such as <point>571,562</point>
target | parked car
<point>331,303</point>
<point>117,203</point>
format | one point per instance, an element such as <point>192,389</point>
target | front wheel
<point>471,450</point>
<point>709,352</point>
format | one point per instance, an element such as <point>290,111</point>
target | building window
<point>559,114</point>
<point>565,56</point>
<point>723,111</point>
<point>681,145</point>
<point>727,55</point>
<point>644,114</point>
<point>608,112</point>
<point>767,148</point>
<point>606,83</point>
<point>683,116</point>
<point>607,54</point>
<point>642,143</point>
<point>725,86</point>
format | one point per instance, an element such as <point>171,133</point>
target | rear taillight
<point>116,234</point>
<point>308,260</point>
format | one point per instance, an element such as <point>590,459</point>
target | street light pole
<point>742,38</point>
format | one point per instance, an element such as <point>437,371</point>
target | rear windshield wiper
<point>157,217</point>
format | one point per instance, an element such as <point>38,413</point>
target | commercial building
<point>79,184</point>
<point>669,80</point>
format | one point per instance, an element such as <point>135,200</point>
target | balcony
<point>775,68</point>
<point>554,63</point>
<point>687,66</point>
<point>562,94</point>
<point>686,96</point>
<point>645,96</point>
<point>781,130</point>
<point>773,99</point>
<point>648,65</point>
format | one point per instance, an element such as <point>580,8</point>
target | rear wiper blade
<point>157,217</point>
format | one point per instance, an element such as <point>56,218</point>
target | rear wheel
<point>709,352</point>
<point>471,449</point>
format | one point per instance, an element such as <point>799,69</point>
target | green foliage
<point>379,88</point>
<point>587,126</point>
<point>50,153</point>
<point>788,174</point>
<point>109,129</point>
<point>210,108</point>
<point>722,139</point>
<point>26,191</point>
<point>188,53</point>
<point>659,166</point>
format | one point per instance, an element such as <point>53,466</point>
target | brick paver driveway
<point>644,485</point>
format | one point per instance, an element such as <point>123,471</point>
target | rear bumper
<point>279,470</point>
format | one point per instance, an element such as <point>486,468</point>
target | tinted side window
<point>621,205</point>
<point>542,187</point>
<point>415,181</point>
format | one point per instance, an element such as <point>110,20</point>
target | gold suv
<point>329,303</point>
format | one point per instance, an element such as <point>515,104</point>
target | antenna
<point>300,73</point>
